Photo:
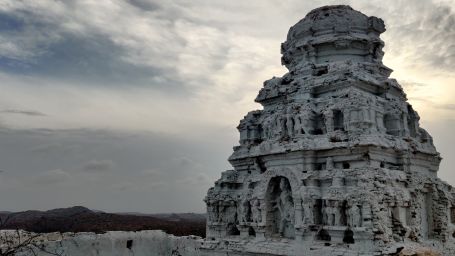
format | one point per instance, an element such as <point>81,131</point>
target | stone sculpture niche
<point>280,208</point>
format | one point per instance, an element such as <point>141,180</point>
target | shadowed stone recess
<point>336,162</point>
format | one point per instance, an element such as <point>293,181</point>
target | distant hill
<point>170,216</point>
<point>81,219</point>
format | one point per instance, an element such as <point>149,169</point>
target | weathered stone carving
<point>285,209</point>
<point>336,156</point>
<point>354,215</point>
<point>307,205</point>
<point>256,210</point>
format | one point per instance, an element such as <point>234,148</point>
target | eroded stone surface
<point>114,243</point>
<point>336,163</point>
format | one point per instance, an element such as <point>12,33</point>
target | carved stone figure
<point>231,212</point>
<point>212,210</point>
<point>228,211</point>
<point>309,211</point>
<point>290,121</point>
<point>325,214</point>
<point>244,210</point>
<point>269,127</point>
<point>307,204</point>
<point>337,213</point>
<point>221,211</point>
<point>303,122</point>
<point>256,210</point>
<point>285,207</point>
<point>280,125</point>
<point>332,213</point>
<point>354,216</point>
<point>329,163</point>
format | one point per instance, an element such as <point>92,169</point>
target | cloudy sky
<point>131,105</point>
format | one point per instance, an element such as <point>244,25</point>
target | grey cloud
<point>425,38</point>
<point>151,51</point>
<point>411,84</point>
<point>442,132</point>
<point>45,42</point>
<point>432,103</point>
<point>185,161</point>
<point>53,147</point>
<point>52,177</point>
<point>24,35</point>
<point>99,165</point>
<point>23,112</point>
<point>145,5</point>
<point>172,46</point>
<point>9,22</point>
<point>441,21</point>
<point>137,169</point>
<point>447,106</point>
<point>93,59</point>
<point>195,180</point>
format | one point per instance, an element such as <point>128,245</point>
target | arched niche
<point>348,236</point>
<point>280,208</point>
<point>288,173</point>
<point>338,120</point>
<point>392,124</point>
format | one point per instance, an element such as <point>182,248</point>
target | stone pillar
<point>328,118</point>
<point>373,127</point>
<point>260,233</point>
<point>298,211</point>
<point>243,231</point>
<point>405,161</point>
<point>299,232</point>
<point>366,216</point>
<point>380,122</point>
<point>311,53</point>
<point>366,115</point>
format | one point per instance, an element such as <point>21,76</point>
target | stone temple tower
<point>335,163</point>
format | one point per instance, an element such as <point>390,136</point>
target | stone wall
<point>117,243</point>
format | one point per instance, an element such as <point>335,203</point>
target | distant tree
<point>20,242</point>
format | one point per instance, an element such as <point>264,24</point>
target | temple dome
<point>325,19</point>
<point>330,31</point>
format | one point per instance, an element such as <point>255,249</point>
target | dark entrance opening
<point>129,244</point>
<point>338,120</point>
<point>251,231</point>
<point>323,235</point>
<point>232,230</point>
<point>348,236</point>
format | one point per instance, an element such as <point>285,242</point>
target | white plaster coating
<point>336,162</point>
<point>117,243</point>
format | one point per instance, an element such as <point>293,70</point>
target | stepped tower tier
<point>336,157</point>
